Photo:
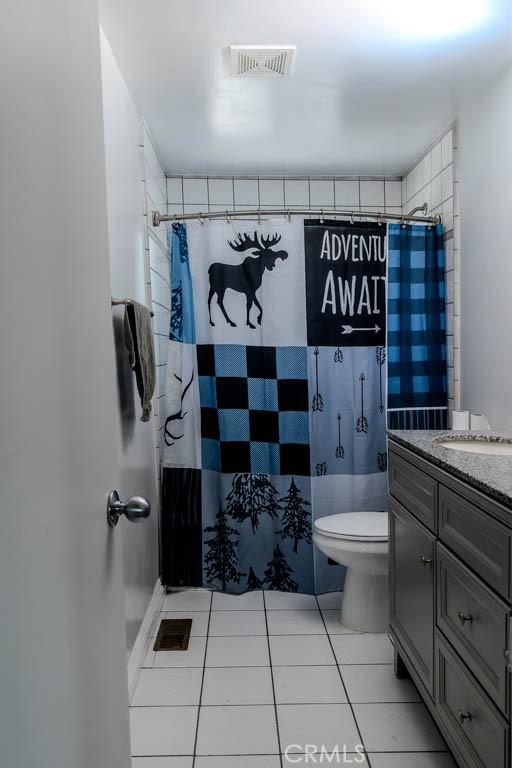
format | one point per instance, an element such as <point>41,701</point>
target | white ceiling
<point>374,81</point>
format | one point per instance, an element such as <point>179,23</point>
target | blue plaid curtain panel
<point>417,377</point>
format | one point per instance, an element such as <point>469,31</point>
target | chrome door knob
<point>135,508</point>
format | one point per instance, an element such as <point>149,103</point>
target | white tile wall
<point>434,179</point>
<point>189,195</point>
<point>372,193</point>
<point>157,267</point>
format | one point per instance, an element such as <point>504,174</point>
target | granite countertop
<point>488,473</point>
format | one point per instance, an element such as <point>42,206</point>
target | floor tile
<point>413,760</point>
<point>192,657</point>
<point>288,622</point>
<point>373,683</point>
<point>330,601</point>
<point>286,650</point>
<point>237,685</point>
<point>168,687</point>
<point>188,600</point>
<point>334,625</point>
<point>199,621</point>
<point>244,761</point>
<point>397,728</point>
<point>289,601</point>
<point>237,731</point>
<point>308,685</point>
<point>225,623</point>
<point>162,762</point>
<point>237,652</point>
<point>250,601</point>
<point>163,730</point>
<point>362,649</point>
<point>325,725</point>
<point>327,759</point>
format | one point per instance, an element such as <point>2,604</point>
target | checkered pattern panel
<point>416,317</point>
<point>254,409</point>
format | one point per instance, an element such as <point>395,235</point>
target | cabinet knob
<point>465,617</point>
<point>425,560</point>
<point>464,716</point>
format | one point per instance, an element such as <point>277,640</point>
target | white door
<point>63,688</point>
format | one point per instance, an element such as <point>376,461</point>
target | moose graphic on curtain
<point>275,396</point>
<point>246,277</point>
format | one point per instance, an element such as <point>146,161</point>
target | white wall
<point>486,266</point>
<point>63,681</point>
<point>137,461</point>
<point>434,179</point>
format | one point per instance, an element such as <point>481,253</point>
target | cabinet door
<point>413,488</point>
<point>476,731</point>
<point>412,572</point>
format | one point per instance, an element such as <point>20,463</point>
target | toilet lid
<point>367,526</point>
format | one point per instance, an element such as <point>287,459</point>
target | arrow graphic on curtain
<point>362,421</point>
<point>340,451</point>
<point>318,401</point>
<point>380,354</point>
<point>351,329</point>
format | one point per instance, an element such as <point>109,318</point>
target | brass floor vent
<point>173,635</point>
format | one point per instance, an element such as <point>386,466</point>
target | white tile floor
<point>267,671</point>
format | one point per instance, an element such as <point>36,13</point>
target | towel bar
<point>117,302</point>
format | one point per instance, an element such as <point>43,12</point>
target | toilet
<point>359,541</point>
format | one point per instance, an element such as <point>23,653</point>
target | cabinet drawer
<point>412,590</point>
<point>480,540</point>
<point>478,731</point>
<point>414,489</point>
<point>475,621</point>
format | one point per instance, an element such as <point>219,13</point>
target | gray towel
<point>138,334</point>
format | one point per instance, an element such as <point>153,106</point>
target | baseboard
<point>142,641</point>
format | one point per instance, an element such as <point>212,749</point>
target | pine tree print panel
<point>257,532</point>
<point>182,323</point>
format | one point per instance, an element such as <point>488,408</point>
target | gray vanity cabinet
<point>412,595</point>
<point>450,604</point>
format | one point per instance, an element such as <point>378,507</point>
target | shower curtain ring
<point>289,217</point>
<point>227,218</point>
<point>201,220</point>
<point>352,217</point>
<point>322,216</point>
<point>259,215</point>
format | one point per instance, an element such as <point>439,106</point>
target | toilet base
<point>365,602</point>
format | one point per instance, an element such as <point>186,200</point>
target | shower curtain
<point>417,377</point>
<point>275,398</point>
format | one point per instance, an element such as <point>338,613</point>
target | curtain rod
<point>322,214</point>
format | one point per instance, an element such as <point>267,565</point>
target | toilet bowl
<point>359,541</point>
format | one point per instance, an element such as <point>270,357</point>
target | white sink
<point>488,447</point>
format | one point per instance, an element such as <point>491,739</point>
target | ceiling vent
<point>261,60</point>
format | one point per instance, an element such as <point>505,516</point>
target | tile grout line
<point>343,684</point>
<point>202,682</point>
<point>272,680</point>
